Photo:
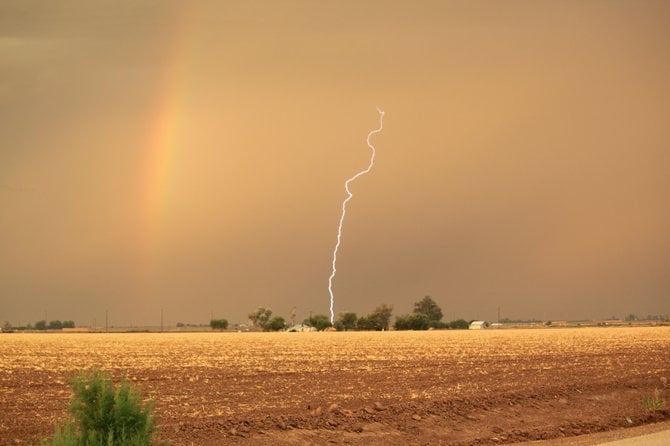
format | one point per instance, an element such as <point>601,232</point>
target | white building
<point>478,325</point>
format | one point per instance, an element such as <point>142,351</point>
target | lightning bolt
<point>344,210</point>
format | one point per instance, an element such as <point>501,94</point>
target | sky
<point>191,157</point>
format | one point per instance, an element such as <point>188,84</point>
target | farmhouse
<point>478,325</point>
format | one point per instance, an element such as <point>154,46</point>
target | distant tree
<point>439,325</point>
<point>181,324</point>
<point>41,325</point>
<point>260,317</point>
<point>318,321</point>
<point>55,324</point>
<point>218,324</point>
<point>275,324</point>
<point>548,323</point>
<point>401,322</point>
<point>459,324</point>
<point>364,323</point>
<point>380,318</point>
<point>430,308</point>
<point>413,321</point>
<point>7,326</point>
<point>346,320</point>
<point>631,317</point>
<point>68,324</point>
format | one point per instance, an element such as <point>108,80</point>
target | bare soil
<point>440,387</point>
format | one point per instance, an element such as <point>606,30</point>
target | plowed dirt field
<point>436,387</point>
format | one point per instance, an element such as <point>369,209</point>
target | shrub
<point>105,415</point>
<point>654,403</point>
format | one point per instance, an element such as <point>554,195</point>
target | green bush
<point>105,415</point>
<point>654,403</point>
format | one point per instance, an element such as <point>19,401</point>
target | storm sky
<point>191,157</point>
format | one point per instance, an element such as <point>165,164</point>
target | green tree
<point>218,324</point>
<point>413,321</point>
<point>260,317</point>
<point>631,317</point>
<point>55,324</point>
<point>459,324</point>
<point>346,320</point>
<point>380,318</point>
<point>364,323</point>
<point>275,324</point>
<point>41,325</point>
<point>430,308</point>
<point>318,321</point>
<point>68,324</point>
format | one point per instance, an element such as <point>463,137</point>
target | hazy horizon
<point>191,157</point>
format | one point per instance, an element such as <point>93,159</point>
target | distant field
<point>448,387</point>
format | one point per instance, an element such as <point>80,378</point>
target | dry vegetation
<point>449,387</point>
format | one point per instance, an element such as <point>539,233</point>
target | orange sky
<point>191,156</point>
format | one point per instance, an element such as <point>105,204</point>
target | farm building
<point>478,325</point>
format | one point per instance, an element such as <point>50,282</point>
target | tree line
<point>427,314</point>
<point>41,325</point>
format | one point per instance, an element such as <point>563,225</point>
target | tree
<point>430,308</point>
<point>631,317</point>
<point>459,324</point>
<point>413,321</point>
<point>346,321</point>
<point>55,325</point>
<point>41,325</point>
<point>260,317</point>
<point>380,318</point>
<point>7,326</point>
<point>364,323</point>
<point>318,321</point>
<point>68,324</point>
<point>275,324</point>
<point>218,324</point>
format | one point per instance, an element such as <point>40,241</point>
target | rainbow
<point>163,142</point>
